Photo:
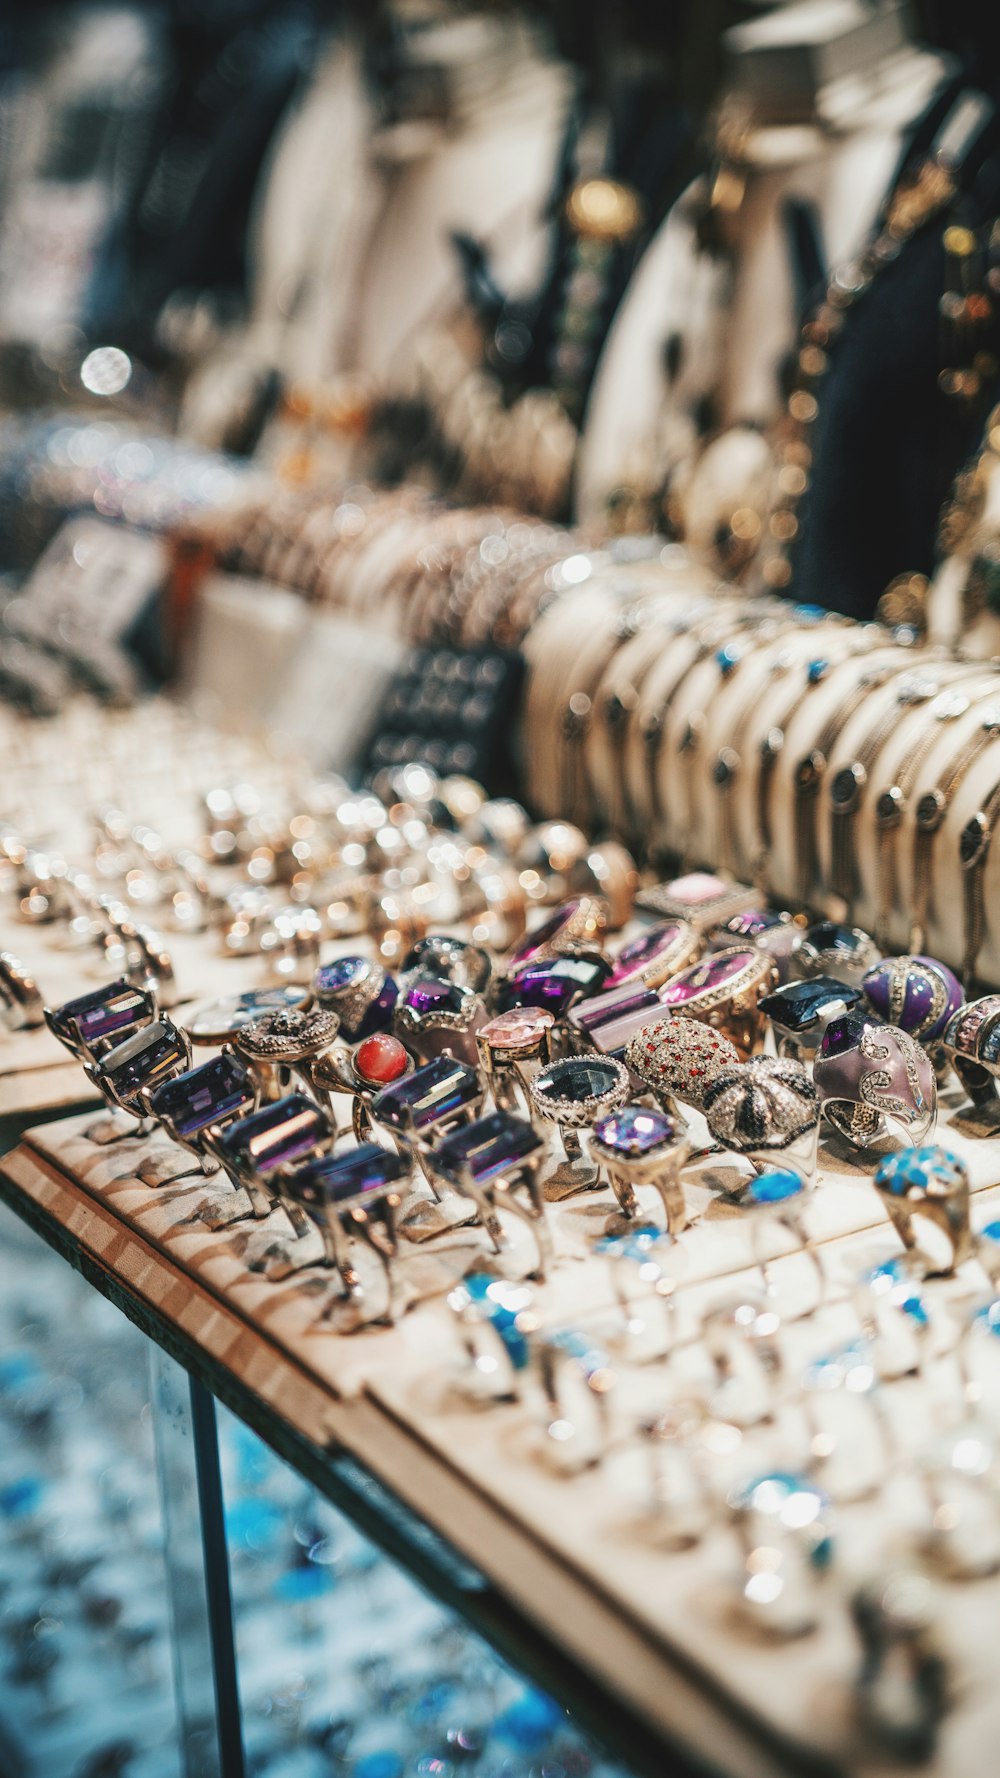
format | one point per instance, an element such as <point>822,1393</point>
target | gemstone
<point>697,887</point>
<point>275,1135</point>
<point>153,1054</point>
<point>705,977</point>
<point>609,1020</point>
<point>556,986</point>
<point>642,953</point>
<point>893,1280</point>
<point>798,1005</point>
<point>545,934</point>
<point>795,1503</point>
<point>500,1303</point>
<point>336,1181</point>
<point>453,959</point>
<point>579,1079</point>
<point>490,1147</point>
<point>348,986</point>
<point>845,1033</point>
<point>344,972</point>
<point>212,1093</point>
<point>778,1186</point>
<point>916,1168</point>
<point>519,1029</point>
<point>830,946</point>
<point>380,1059</point>
<point>434,1094</point>
<point>634,1130</point>
<point>106,1015</point>
<point>426,995</point>
<point>216,1020</point>
<point>918,994</point>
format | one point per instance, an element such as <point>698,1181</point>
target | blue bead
<point>817,670</point>
<point>775,1187</point>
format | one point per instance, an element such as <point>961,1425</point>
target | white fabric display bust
<point>732,322</point>
<point>354,257</point>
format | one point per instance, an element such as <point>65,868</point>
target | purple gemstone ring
<point>494,1161</point>
<point>360,991</point>
<point>641,1145</point>
<point>871,1076</point>
<point>351,1196</point>
<point>574,926</point>
<point>94,1023</point>
<point>724,990</point>
<point>257,1151</point>
<point>971,1042</point>
<point>918,994</point>
<point>197,1105</point>
<point>129,1074</point>
<point>435,1017</point>
<point>657,954</point>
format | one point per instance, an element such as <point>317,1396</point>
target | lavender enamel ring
<point>641,1145</point>
<point>870,1077</point>
<point>925,1193</point>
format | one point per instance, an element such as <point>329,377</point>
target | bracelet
<point>930,813</point>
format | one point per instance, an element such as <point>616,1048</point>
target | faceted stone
<point>518,1029</point>
<point>105,1015</point>
<point>490,1147</point>
<point>845,1033</point>
<point>341,985</point>
<point>777,1186</point>
<point>343,972</point>
<point>276,1135</point>
<point>153,1054</point>
<point>433,1094</point>
<point>216,1091</point>
<point>643,952</point>
<point>634,1130</point>
<point>426,995</point>
<point>703,977</point>
<point>579,1079</point>
<point>798,1005</point>
<point>555,986</point>
<point>381,1059</point>
<point>610,1020</point>
<point>453,959</point>
<point>361,1175</point>
<point>543,935</point>
<point>215,1020</point>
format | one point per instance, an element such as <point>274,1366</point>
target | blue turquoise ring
<point>925,1193</point>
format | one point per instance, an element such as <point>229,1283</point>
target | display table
<point>566,1572</point>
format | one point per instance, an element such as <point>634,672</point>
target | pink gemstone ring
<point>724,990</point>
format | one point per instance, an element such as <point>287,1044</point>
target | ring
<point>257,1149</point>
<point>20,1002</point>
<point>781,1520</point>
<point>451,960</point>
<point>828,948</point>
<point>765,1107</point>
<point>643,1146</point>
<point>657,954</point>
<point>360,991</point>
<point>354,1195</point>
<point>196,1105</point>
<point>285,1043</point>
<point>928,1187</point>
<point>608,869</point>
<point>870,1076</point>
<point>772,930</point>
<point>94,1023</point>
<point>971,1042</point>
<point>377,1062</point>
<point>637,1262</point>
<point>700,897</point>
<point>215,1022</point>
<point>605,1022</point>
<point>894,1618</point>
<point>894,1316</point>
<point>800,1012</point>
<point>676,1059</point>
<point>428,1102</point>
<point>572,1094</point>
<point>488,1161</point>
<point>724,990</point>
<point>507,1044</point>
<point>554,985</point>
<point>493,1319</point>
<point>129,1074</point>
<point>575,926</point>
<point>436,1017</point>
<point>778,1196</point>
<point>918,994</point>
<point>576,1380</point>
